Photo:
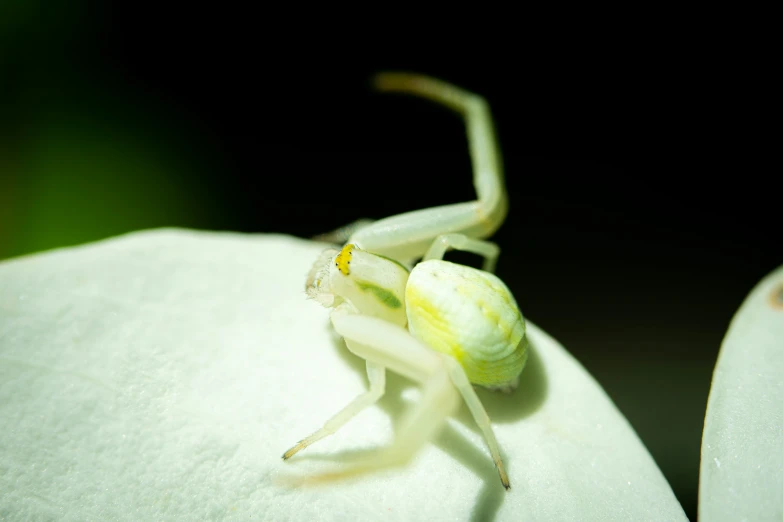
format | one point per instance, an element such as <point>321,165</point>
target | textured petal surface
<point>742,449</point>
<point>161,375</point>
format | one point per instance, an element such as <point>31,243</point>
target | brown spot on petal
<point>776,297</point>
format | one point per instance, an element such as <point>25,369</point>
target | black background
<point>640,215</point>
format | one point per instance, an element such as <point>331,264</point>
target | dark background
<point>639,221</point>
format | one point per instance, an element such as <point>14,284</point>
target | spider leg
<point>407,236</point>
<point>377,377</point>
<point>340,235</point>
<point>487,249</point>
<point>393,347</point>
<point>460,380</point>
<point>420,425</point>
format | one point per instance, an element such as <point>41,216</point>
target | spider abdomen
<point>472,316</point>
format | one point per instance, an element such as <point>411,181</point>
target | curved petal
<point>742,449</point>
<point>161,375</point>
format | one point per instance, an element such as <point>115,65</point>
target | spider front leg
<point>376,374</point>
<point>406,237</point>
<point>391,346</point>
<point>341,234</point>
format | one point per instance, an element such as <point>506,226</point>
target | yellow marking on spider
<point>438,333</point>
<point>343,259</point>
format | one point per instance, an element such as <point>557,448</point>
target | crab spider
<point>443,325</point>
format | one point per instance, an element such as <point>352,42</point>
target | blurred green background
<point>79,159</point>
<point>623,240</point>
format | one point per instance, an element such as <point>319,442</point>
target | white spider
<point>440,324</point>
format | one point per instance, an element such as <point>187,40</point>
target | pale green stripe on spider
<point>472,316</point>
<point>384,295</point>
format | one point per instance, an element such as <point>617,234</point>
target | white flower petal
<point>161,375</point>
<point>742,448</point>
